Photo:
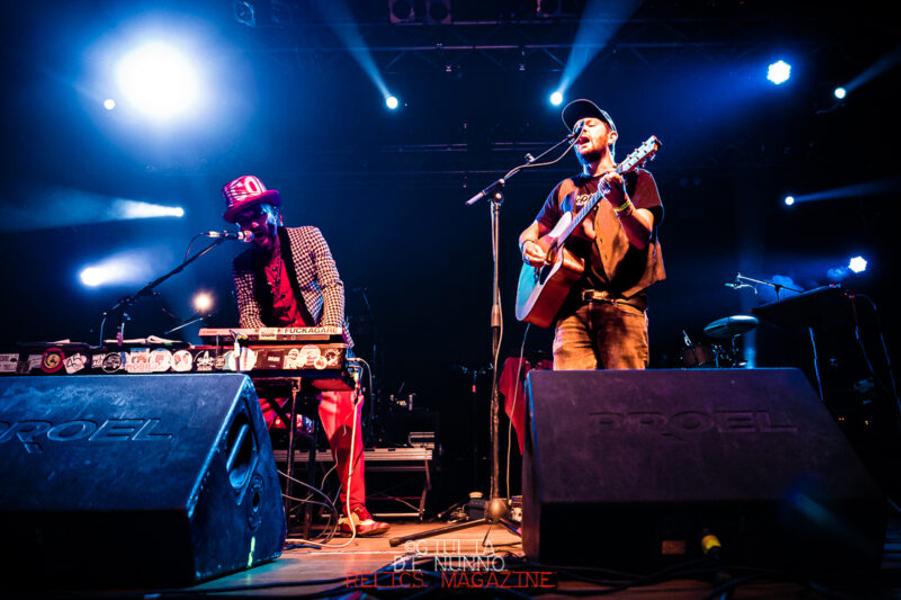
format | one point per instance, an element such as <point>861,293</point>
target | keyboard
<point>221,335</point>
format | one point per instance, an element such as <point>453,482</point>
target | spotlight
<point>93,276</point>
<point>133,209</point>
<point>858,264</point>
<point>126,268</point>
<point>203,303</point>
<point>392,102</point>
<point>557,98</point>
<point>789,200</point>
<point>840,93</point>
<point>779,72</point>
<point>109,104</point>
<point>104,274</point>
<point>158,80</point>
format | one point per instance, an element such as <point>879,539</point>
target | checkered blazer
<point>317,279</point>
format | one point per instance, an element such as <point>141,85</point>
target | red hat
<point>246,191</point>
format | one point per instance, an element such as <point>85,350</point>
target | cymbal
<point>728,327</point>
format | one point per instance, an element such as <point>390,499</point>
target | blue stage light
<point>126,268</point>
<point>103,274</point>
<point>557,98</point>
<point>789,200</point>
<point>93,276</point>
<point>840,93</point>
<point>109,104</point>
<point>779,72</point>
<point>392,102</point>
<point>133,209</point>
<point>159,81</point>
<point>858,264</point>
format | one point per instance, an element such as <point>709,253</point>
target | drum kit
<point>722,351</point>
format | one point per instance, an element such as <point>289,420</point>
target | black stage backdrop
<point>289,104</point>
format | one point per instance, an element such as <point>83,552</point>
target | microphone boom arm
<point>743,281</point>
<point>148,290</point>
<point>498,184</point>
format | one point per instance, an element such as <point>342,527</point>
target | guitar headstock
<point>638,157</point>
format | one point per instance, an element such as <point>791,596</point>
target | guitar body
<point>543,290</point>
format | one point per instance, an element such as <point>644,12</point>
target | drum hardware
<point>723,351</point>
<point>697,355</point>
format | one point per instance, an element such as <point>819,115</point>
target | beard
<point>590,157</point>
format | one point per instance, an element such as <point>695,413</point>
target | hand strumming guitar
<point>533,253</point>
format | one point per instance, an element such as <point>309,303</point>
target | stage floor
<point>299,568</point>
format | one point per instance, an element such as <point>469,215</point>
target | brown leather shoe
<point>365,525</point>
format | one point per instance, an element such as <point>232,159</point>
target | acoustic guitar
<point>543,290</point>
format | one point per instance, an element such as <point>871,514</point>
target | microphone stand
<point>123,304</point>
<point>744,280</point>
<point>496,508</point>
<point>740,281</point>
<point>195,318</point>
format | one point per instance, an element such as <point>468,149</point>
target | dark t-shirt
<point>629,264</point>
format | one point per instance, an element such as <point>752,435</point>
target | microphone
<point>738,285</point>
<point>577,132</point>
<point>491,189</point>
<point>241,236</point>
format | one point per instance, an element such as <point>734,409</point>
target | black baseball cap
<point>582,108</point>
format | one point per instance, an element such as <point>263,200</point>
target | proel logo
<point>691,422</point>
<point>31,433</point>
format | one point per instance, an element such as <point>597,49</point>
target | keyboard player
<point>288,278</point>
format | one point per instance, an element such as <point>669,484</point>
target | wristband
<point>623,207</point>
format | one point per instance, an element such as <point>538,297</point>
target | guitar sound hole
<point>543,273</point>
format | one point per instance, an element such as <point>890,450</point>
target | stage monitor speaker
<point>634,468</point>
<point>135,479</point>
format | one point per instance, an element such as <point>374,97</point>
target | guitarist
<point>603,324</point>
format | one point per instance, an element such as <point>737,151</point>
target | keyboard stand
<point>276,387</point>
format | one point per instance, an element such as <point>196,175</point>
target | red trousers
<point>336,411</point>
